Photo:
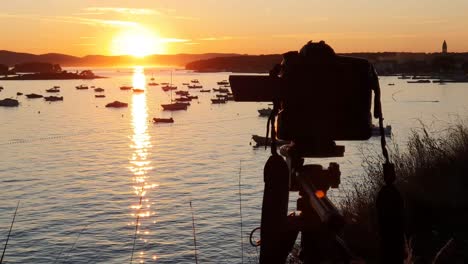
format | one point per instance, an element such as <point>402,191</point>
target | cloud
<point>85,44</point>
<point>90,21</point>
<point>217,38</point>
<point>173,40</point>
<point>124,10</point>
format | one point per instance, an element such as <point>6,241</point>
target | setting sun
<point>137,42</point>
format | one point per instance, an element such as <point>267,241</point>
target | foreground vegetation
<point>432,175</point>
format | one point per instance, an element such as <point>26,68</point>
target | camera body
<point>320,98</point>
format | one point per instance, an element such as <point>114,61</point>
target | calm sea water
<point>86,176</point>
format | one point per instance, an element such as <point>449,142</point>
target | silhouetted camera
<point>321,95</point>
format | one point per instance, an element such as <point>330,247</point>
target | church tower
<point>444,48</point>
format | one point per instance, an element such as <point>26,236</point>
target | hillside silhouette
<point>11,58</point>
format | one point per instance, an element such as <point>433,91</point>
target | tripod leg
<point>274,228</point>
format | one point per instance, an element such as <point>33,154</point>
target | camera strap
<point>390,203</point>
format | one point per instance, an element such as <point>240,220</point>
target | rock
<point>117,104</point>
<point>9,102</point>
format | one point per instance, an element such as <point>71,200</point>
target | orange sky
<point>82,27</point>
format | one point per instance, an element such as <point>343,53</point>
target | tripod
<point>319,221</point>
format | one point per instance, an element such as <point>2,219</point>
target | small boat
<point>221,90</point>
<point>175,106</point>
<point>126,88</point>
<point>391,84</point>
<point>92,86</point>
<point>153,84</point>
<point>403,77</point>
<point>192,96</point>
<point>81,87</point>
<point>185,93</point>
<point>33,96</point>
<point>57,87</point>
<point>223,82</point>
<point>262,141</point>
<point>168,88</point>
<point>138,90</point>
<point>194,81</point>
<point>117,104</point>
<point>195,86</point>
<point>53,90</point>
<point>221,96</point>
<point>164,83</point>
<point>230,97</point>
<point>183,99</point>
<point>163,120</point>
<point>18,93</point>
<point>8,102</point>
<point>99,90</point>
<point>205,91</point>
<point>376,131</point>
<point>53,98</point>
<point>419,81</point>
<point>265,111</point>
<point>218,101</point>
<point>185,83</point>
<point>100,96</point>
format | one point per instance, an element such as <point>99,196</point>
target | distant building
<point>444,48</point>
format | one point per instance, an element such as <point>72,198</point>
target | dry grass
<point>432,176</point>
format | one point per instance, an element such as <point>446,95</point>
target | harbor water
<point>106,185</point>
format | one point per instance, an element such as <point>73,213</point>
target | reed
<point>431,175</point>
<point>9,233</point>
<point>240,213</point>
<point>194,234</point>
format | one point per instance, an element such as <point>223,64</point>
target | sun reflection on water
<point>140,166</point>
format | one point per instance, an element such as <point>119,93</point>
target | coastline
<point>50,76</point>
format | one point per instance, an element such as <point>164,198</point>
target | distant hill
<point>12,58</point>
<point>386,63</point>
<point>243,63</point>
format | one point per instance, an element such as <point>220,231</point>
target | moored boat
<point>168,88</point>
<point>99,95</point>
<point>126,87</point>
<point>99,90</point>
<point>53,90</point>
<point>183,99</point>
<point>205,91</point>
<point>264,111</point>
<point>175,106</point>
<point>195,86</point>
<point>138,90</point>
<point>117,104</point>
<point>223,82</point>
<point>8,102</point>
<point>53,98</point>
<point>182,93</point>
<point>218,101</point>
<point>33,96</point>
<point>194,81</point>
<point>163,120</point>
<point>376,131</point>
<point>82,87</point>
<point>419,81</point>
<point>153,84</point>
<point>263,141</point>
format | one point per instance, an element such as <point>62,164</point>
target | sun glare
<point>137,42</point>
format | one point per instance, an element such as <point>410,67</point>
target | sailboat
<point>174,106</point>
<point>169,87</point>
